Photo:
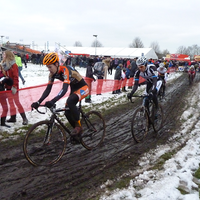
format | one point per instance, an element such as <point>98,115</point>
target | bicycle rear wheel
<point>44,143</point>
<point>139,124</point>
<point>94,129</point>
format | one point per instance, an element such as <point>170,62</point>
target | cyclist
<point>162,75</point>
<point>191,73</point>
<point>78,86</point>
<point>148,72</point>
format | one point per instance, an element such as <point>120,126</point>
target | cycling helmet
<point>192,67</point>
<point>141,61</point>
<point>50,58</point>
<point>161,65</point>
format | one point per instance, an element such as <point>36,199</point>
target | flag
<point>62,56</point>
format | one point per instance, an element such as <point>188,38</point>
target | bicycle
<point>144,117</point>
<point>45,142</point>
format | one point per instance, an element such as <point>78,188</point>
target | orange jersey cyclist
<point>70,77</point>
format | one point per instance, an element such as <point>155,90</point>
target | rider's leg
<point>72,114</point>
<point>155,100</point>
<point>163,88</point>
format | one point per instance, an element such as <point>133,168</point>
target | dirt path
<point>80,172</point>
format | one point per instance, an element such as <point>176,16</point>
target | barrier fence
<point>21,102</point>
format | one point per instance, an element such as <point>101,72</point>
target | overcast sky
<point>170,23</point>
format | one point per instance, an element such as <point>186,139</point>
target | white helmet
<point>161,65</point>
<point>141,61</point>
<point>192,67</point>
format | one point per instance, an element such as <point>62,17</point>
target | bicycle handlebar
<point>141,96</point>
<point>52,109</point>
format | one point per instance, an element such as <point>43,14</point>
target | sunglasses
<point>141,66</point>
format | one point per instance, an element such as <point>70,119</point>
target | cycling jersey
<point>149,75</point>
<point>191,71</point>
<point>69,76</point>
<point>162,73</point>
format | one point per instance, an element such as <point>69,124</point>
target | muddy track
<point>80,172</point>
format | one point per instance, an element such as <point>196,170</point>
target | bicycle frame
<point>54,117</point>
<point>146,101</point>
<point>145,104</point>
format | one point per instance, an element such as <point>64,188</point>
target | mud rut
<point>80,172</point>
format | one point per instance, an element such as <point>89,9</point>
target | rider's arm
<point>166,77</point>
<point>45,93</point>
<point>153,69</point>
<point>154,82</point>
<point>136,83</point>
<point>61,93</point>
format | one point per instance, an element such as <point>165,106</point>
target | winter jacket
<point>133,68</point>
<point>118,73</point>
<point>12,72</point>
<point>89,72</point>
<point>18,61</point>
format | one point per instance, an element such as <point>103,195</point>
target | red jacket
<point>13,74</point>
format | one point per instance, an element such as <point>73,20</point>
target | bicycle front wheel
<point>158,119</point>
<point>44,143</point>
<point>94,129</point>
<point>139,124</point>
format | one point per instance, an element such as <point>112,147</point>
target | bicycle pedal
<point>75,140</point>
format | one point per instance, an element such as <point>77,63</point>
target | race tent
<point>114,52</point>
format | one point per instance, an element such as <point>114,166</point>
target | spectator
<point>11,69</point>
<point>132,72</point>
<point>112,65</point>
<point>19,64</point>
<point>27,57</point>
<point>116,61</point>
<point>133,67</point>
<point>89,78</point>
<point>117,78</point>
<point>124,79</point>
<point>23,57</point>
<point>4,80</point>
<point>106,62</point>
<point>74,62</point>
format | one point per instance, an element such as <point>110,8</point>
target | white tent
<point>114,52</point>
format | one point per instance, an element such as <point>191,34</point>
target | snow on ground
<point>149,184</point>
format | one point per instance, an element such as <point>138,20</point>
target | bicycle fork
<point>48,135</point>
<point>48,132</point>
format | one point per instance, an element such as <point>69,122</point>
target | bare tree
<point>137,43</point>
<point>183,50</point>
<point>155,46</point>
<point>77,44</point>
<point>165,52</point>
<point>96,43</point>
<point>190,50</point>
<point>195,50</point>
